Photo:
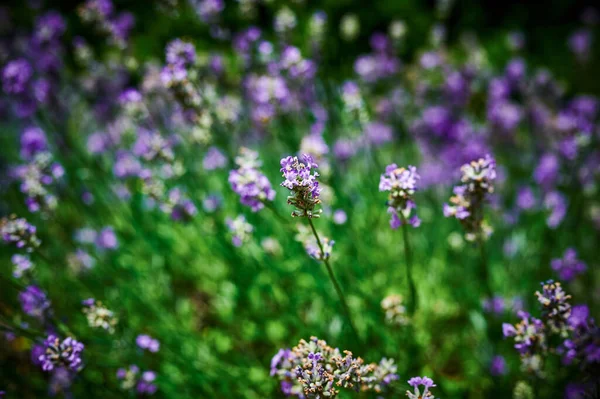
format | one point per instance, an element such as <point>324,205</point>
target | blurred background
<point>122,124</point>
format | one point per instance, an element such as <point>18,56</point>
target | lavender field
<point>304,199</point>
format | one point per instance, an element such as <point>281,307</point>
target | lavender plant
<point>402,185</point>
<point>302,182</point>
<point>313,369</point>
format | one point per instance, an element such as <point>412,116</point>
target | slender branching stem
<point>338,289</point>
<point>412,291</point>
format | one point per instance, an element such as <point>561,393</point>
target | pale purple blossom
<point>146,342</point>
<point>569,266</point>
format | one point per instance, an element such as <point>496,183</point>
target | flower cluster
<point>22,264</point>
<point>556,308</point>
<point>530,340</point>
<point>132,378</point>
<point>98,316</point>
<point>100,13</point>
<point>568,267</point>
<point>415,382</point>
<point>34,302</point>
<point>35,178</point>
<point>240,230</point>
<point>583,346</point>
<point>148,343</point>
<point>576,332</point>
<point>301,180</point>
<point>19,232</point>
<point>467,203</point>
<point>249,183</point>
<point>313,369</point>
<point>65,353</point>
<point>402,185</point>
<point>395,311</point>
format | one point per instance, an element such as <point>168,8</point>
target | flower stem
<point>412,291</point>
<point>338,289</point>
<point>483,267</point>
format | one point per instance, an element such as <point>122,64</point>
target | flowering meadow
<point>269,199</point>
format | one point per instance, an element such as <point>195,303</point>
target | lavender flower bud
<point>240,229</point>
<point>530,340</point>
<point>569,266</point>
<point>249,183</point>
<point>19,232</point>
<point>303,185</point>
<point>395,311</point>
<point>415,382</point>
<point>402,185</point>
<point>148,343</point>
<point>99,316</point>
<point>467,204</point>
<point>315,369</point>
<point>65,353</point>
<point>22,264</point>
<point>556,308</point>
<point>34,302</point>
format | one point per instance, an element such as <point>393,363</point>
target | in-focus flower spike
<point>249,183</point>
<point>416,382</point>
<point>313,369</point>
<point>467,203</point>
<point>402,185</point>
<point>98,316</point>
<point>240,229</point>
<point>301,180</point>
<point>556,307</point>
<point>65,353</point>
<point>395,311</point>
<point>19,232</point>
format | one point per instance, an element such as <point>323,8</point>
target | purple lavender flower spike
<point>33,141</point>
<point>401,183</point>
<point>569,266</point>
<point>65,353</point>
<point>34,302</point>
<point>416,382</point>
<point>15,76</point>
<point>467,204</point>
<point>301,180</point>
<point>18,232</point>
<point>249,183</point>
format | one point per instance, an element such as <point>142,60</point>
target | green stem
<point>483,267</point>
<point>338,289</point>
<point>412,291</point>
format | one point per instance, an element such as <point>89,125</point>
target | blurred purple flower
<point>569,266</point>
